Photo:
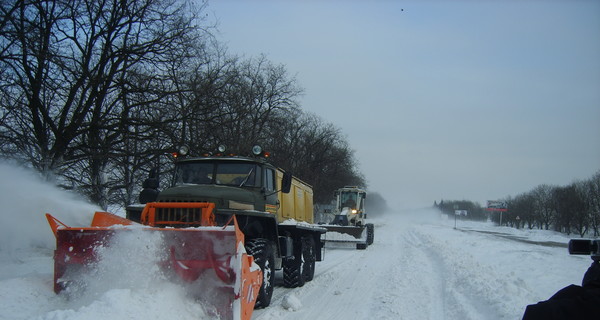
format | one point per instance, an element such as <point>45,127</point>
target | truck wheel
<point>310,257</point>
<point>370,233</point>
<point>262,251</point>
<point>301,268</point>
<point>361,246</point>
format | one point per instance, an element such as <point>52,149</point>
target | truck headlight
<point>183,150</point>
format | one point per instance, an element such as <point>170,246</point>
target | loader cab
<point>348,200</point>
<point>352,198</point>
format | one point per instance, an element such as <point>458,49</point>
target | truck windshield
<point>221,173</point>
<point>348,199</point>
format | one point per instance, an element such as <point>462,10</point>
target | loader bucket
<point>356,232</point>
<point>210,260</point>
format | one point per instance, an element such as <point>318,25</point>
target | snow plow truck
<point>226,221</point>
<point>349,221</point>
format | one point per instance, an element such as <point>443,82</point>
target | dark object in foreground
<point>574,302</point>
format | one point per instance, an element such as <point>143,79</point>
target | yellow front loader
<point>349,219</point>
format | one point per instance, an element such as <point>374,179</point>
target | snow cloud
<point>26,198</point>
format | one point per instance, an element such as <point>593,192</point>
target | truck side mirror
<point>286,182</point>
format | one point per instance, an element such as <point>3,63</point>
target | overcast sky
<point>453,100</point>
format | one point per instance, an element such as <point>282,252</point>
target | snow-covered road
<point>419,267</point>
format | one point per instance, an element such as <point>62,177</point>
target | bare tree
<point>523,207</point>
<point>593,199</point>
<point>259,93</point>
<point>580,208</point>
<point>66,81</point>
<point>317,152</point>
<point>570,209</point>
<point>543,206</point>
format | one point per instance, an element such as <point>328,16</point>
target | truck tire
<point>300,269</point>
<point>310,258</point>
<point>370,233</point>
<point>264,257</point>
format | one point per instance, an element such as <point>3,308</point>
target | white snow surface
<point>419,267</point>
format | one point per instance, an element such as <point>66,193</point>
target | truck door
<point>271,201</point>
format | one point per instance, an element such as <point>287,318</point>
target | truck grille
<point>186,215</point>
<point>174,216</point>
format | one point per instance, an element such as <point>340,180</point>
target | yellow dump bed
<point>298,203</point>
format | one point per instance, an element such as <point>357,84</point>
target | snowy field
<point>420,267</point>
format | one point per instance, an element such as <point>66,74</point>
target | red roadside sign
<point>496,205</point>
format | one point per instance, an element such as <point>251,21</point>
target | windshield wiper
<point>247,177</point>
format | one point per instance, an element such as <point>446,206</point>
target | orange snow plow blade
<point>205,256</point>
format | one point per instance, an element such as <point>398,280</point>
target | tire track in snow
<point>338,286</point>
<point>347,284</point>
<point>423,279</point>
<point>473,290</point>
<point>395,278</point>
<point>457,298</point>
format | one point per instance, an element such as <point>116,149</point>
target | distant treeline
<point>571,209</point>
<point>474,210</point>
<point>96,94</point>
<point>376,204</point>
